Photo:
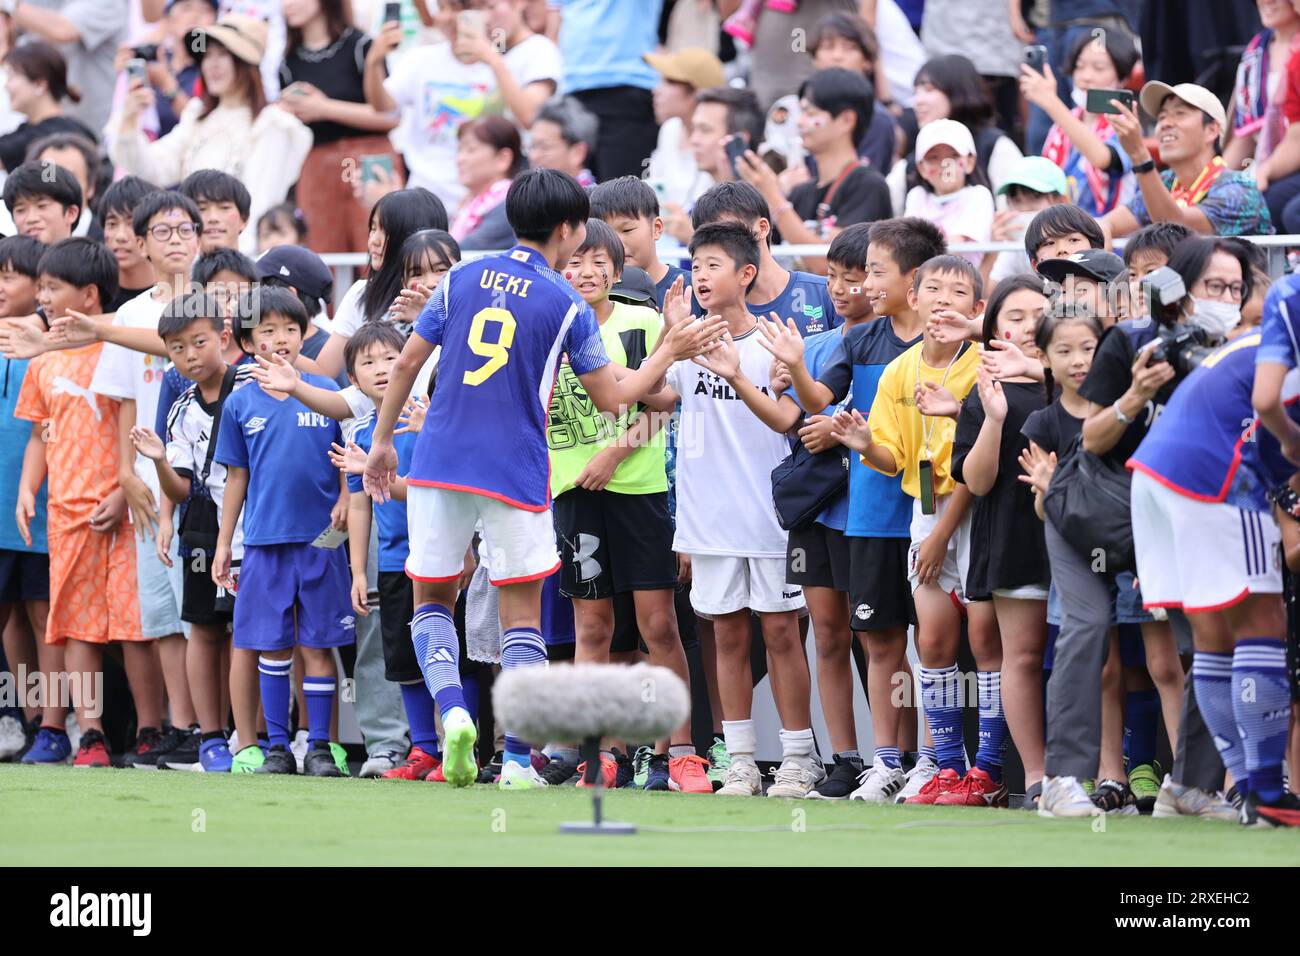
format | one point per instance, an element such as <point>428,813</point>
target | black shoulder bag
<point>804,484</point>
<point>1088,503</point>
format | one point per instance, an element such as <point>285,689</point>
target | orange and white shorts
<point>93,592</point>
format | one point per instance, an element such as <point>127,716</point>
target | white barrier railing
<point>345,264</point>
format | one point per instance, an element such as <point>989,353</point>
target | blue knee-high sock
<point>941,698</point>
<point>1261,703</point>
<point>1141,716</point>
<point>319,692</point>
<point>470,688</point>
<point>521,647</point>
<point>421,711</point>
<point>993,724</point>
<point>273,680</point>
<point>1212,681</point>
<point>436,648</point>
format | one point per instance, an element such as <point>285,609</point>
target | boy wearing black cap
<point>306,275</point>
<point>1095,278</point>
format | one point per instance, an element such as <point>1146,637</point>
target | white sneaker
<point>916,779</point>
<point>378,764</point>
<point>1065,797</point>
<point>877,784</point>
<point>516,776</point>
<point>1175,800</point>
<point>742,779</point>
<point>795,778</point>
<point>298,747</point>
<point>12,737</point>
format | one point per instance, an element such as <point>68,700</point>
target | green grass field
<point>66,817</point>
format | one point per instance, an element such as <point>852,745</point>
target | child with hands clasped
<point>900,437</point>
<point>193,328</point>
<point>1008,573</point>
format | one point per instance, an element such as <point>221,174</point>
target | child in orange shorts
<point>93,593</point>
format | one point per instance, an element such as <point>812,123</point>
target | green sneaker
<point>719,762</point>
<point>1089,786</point>
<point>248,759</point>
<point>340,758</point>
<point>641,766</point>
<point>459,735</point>
<point>1144,780</point>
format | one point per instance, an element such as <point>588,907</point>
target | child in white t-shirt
<point>950,194</point>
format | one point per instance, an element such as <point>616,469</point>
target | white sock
<point>797,745</point>
<point>740,738</point>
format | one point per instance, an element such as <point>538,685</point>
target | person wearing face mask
<point>1084,144</point>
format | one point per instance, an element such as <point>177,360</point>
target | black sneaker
<point>319,762</point>
<point>558,772</point>
<point>626,773</point>
<point>144,755</point>
<point>1111,796</point>
<point>841,781</point>
<point>186,754</point>
<point>280,760</point>
<point>1235,797</point>
<point>492,771</point>
<point>1283,812</point>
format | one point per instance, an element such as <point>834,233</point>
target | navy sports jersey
<point>878,507</point>
<point>666,283</point>
<point>292,485</point>
<point>806,300</point>
<point>1208,444</point>
<point>1280,324</point>
<point>390,517</point>
<point>503,323</point>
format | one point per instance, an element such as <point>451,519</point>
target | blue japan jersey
<point>503,322</point>
<point>292,485</point>
<point>817,351</point>
<point>806,300</point>
<point>390,517</point>
<point>1280,324</point>
<point>878,506</point>
<point>1208,444</point>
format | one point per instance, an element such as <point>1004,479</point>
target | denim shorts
<point>1128,602</point>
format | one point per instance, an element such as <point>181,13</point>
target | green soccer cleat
<point>1144,779</point>
<point>719,762</point>
<point>248,760</point>
<point>340,758</point>
<point>458,764</point>
<point>641,766</point>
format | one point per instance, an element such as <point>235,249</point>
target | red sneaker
<point>976,789</point>
<point>435,775</point>
<point>608,769</point>
<point>689,774</point>
<point>93,751</point>
<point>940,784</point>
<point>419,764</point>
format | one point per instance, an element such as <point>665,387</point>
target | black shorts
<point>200,602</point>
<point>611,543</point>
<point>880,596</point>
<point>818,557</point>
<point>24,576</point>
<point>1293,662</point>
<point>627,636</point>
<point>396,608</point>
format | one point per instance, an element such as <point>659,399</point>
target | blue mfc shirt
<point>503,323</point>
<point>878,507</point>
<point>390,517</point>
<point>806,300</point>
<point>14,434</point>
<point>292,486</point>
<point>1207,444</point>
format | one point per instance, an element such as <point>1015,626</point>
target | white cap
<point>1155,93</point>
<point>944,132</point>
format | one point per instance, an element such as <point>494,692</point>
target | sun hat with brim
<point>1155,93</point>
<point>945,132</point>
<point>1037,173</point>
<point>696,67</point>
<point>1091,263</point>
<point>243,36</point>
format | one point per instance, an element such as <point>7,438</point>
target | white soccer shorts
<point>721,584</point>
<point>440,522</point>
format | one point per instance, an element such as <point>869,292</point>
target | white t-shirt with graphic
<point>725,457</point>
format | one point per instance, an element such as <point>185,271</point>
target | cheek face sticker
<point>604,276</point>
<point>855,290</point>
